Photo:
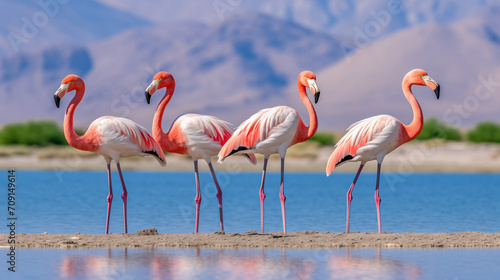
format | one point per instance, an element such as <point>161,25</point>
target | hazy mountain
<point>460,56</point>
<point>233,67</point>
<point>30,25</point>
<point>229,69</point>
<point>338,17</point>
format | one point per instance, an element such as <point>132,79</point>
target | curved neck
<point>415,127</point>
<point>306,132</point>
<point>163,139</point>
<point>74,139</point>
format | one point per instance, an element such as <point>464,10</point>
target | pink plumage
<point>272,131</point>
<point>373,138</point>
<point>111,137</point>
<point>199,136</point>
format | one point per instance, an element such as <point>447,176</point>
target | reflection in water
<point>167,263</point>
<point>363,267</point>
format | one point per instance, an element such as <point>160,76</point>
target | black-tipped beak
<point>316,97</point>
<point>148,97</point>
<point>57,99</point>
<point>436,91</point>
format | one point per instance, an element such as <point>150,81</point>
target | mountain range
<point>231,66</point>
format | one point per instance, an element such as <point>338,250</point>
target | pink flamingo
<point>375,137</point>
<point>198,136</point>
<point>111,137</point>
<point>273,130</point>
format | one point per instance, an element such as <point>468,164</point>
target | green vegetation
<point>433,128</point>
<point>323,138</point>
<point>32,133</point>
<point>485,132</point>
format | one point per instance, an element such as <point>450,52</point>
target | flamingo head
<point>70,83</point>
<point>420,77</point>
<point>161,79</point>
<point>308,79</point>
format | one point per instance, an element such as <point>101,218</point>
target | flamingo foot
<point>377,202</point>
<point>219,197</point>
<point>197,200</point>
<point>283,199</point>
<point>262,197</point>
<point>124,198</point>
<point>109,199</point>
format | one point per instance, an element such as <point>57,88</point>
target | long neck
<point>415,127</point>
<point>306,132</point>
<point>159,135</point>
<point>73,139</point>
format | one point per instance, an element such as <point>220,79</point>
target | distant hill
<point>29,25</point>
<point>250,58</point>
<point>228,69</point>
<point>339,18</point>
<point>456,55</point>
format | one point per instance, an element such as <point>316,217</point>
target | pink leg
<point>109,198</point>
<point>377,197</point>
<point>219,196</point>
<point>124,196</point>
<point>197,199</point>
<point>262,195</point>
<point>349,198</point>
<point>282,194</point>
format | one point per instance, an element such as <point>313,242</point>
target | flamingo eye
<point>420,76</point>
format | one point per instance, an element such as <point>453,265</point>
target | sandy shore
<point>429,156</point>
<point>308,239</point>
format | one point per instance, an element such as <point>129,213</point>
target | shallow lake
<point>70,202</point>
<point>169,263</point>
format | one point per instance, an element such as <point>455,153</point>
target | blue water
<point>70,202</point>
<point>170,263</point>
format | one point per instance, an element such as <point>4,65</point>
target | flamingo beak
<point>61,91</point>
<point>152,88</point>
<point>432,85</point>
<point>57,100</point>
<point>314,89</point>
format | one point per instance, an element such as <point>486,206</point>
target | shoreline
<point>431,156</point>
<point>149,238</point>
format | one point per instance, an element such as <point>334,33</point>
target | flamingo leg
<point>349,198</point>
<point>109,198</point>
<point>262,195</point>
<point>124,197</point>
<point>282,194</point>
<point>197,199</point>
<point>219,196</point>
<point>377,197</point>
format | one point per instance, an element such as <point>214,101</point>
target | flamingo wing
<point>123,137</point>
<point>205,135</point>
<point>365,140</point>
<point>264,132</point>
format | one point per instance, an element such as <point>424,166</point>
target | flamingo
<point>274,130</point>
<point>111,137</point>
<point>373,138</point>
<point>199,136</point>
